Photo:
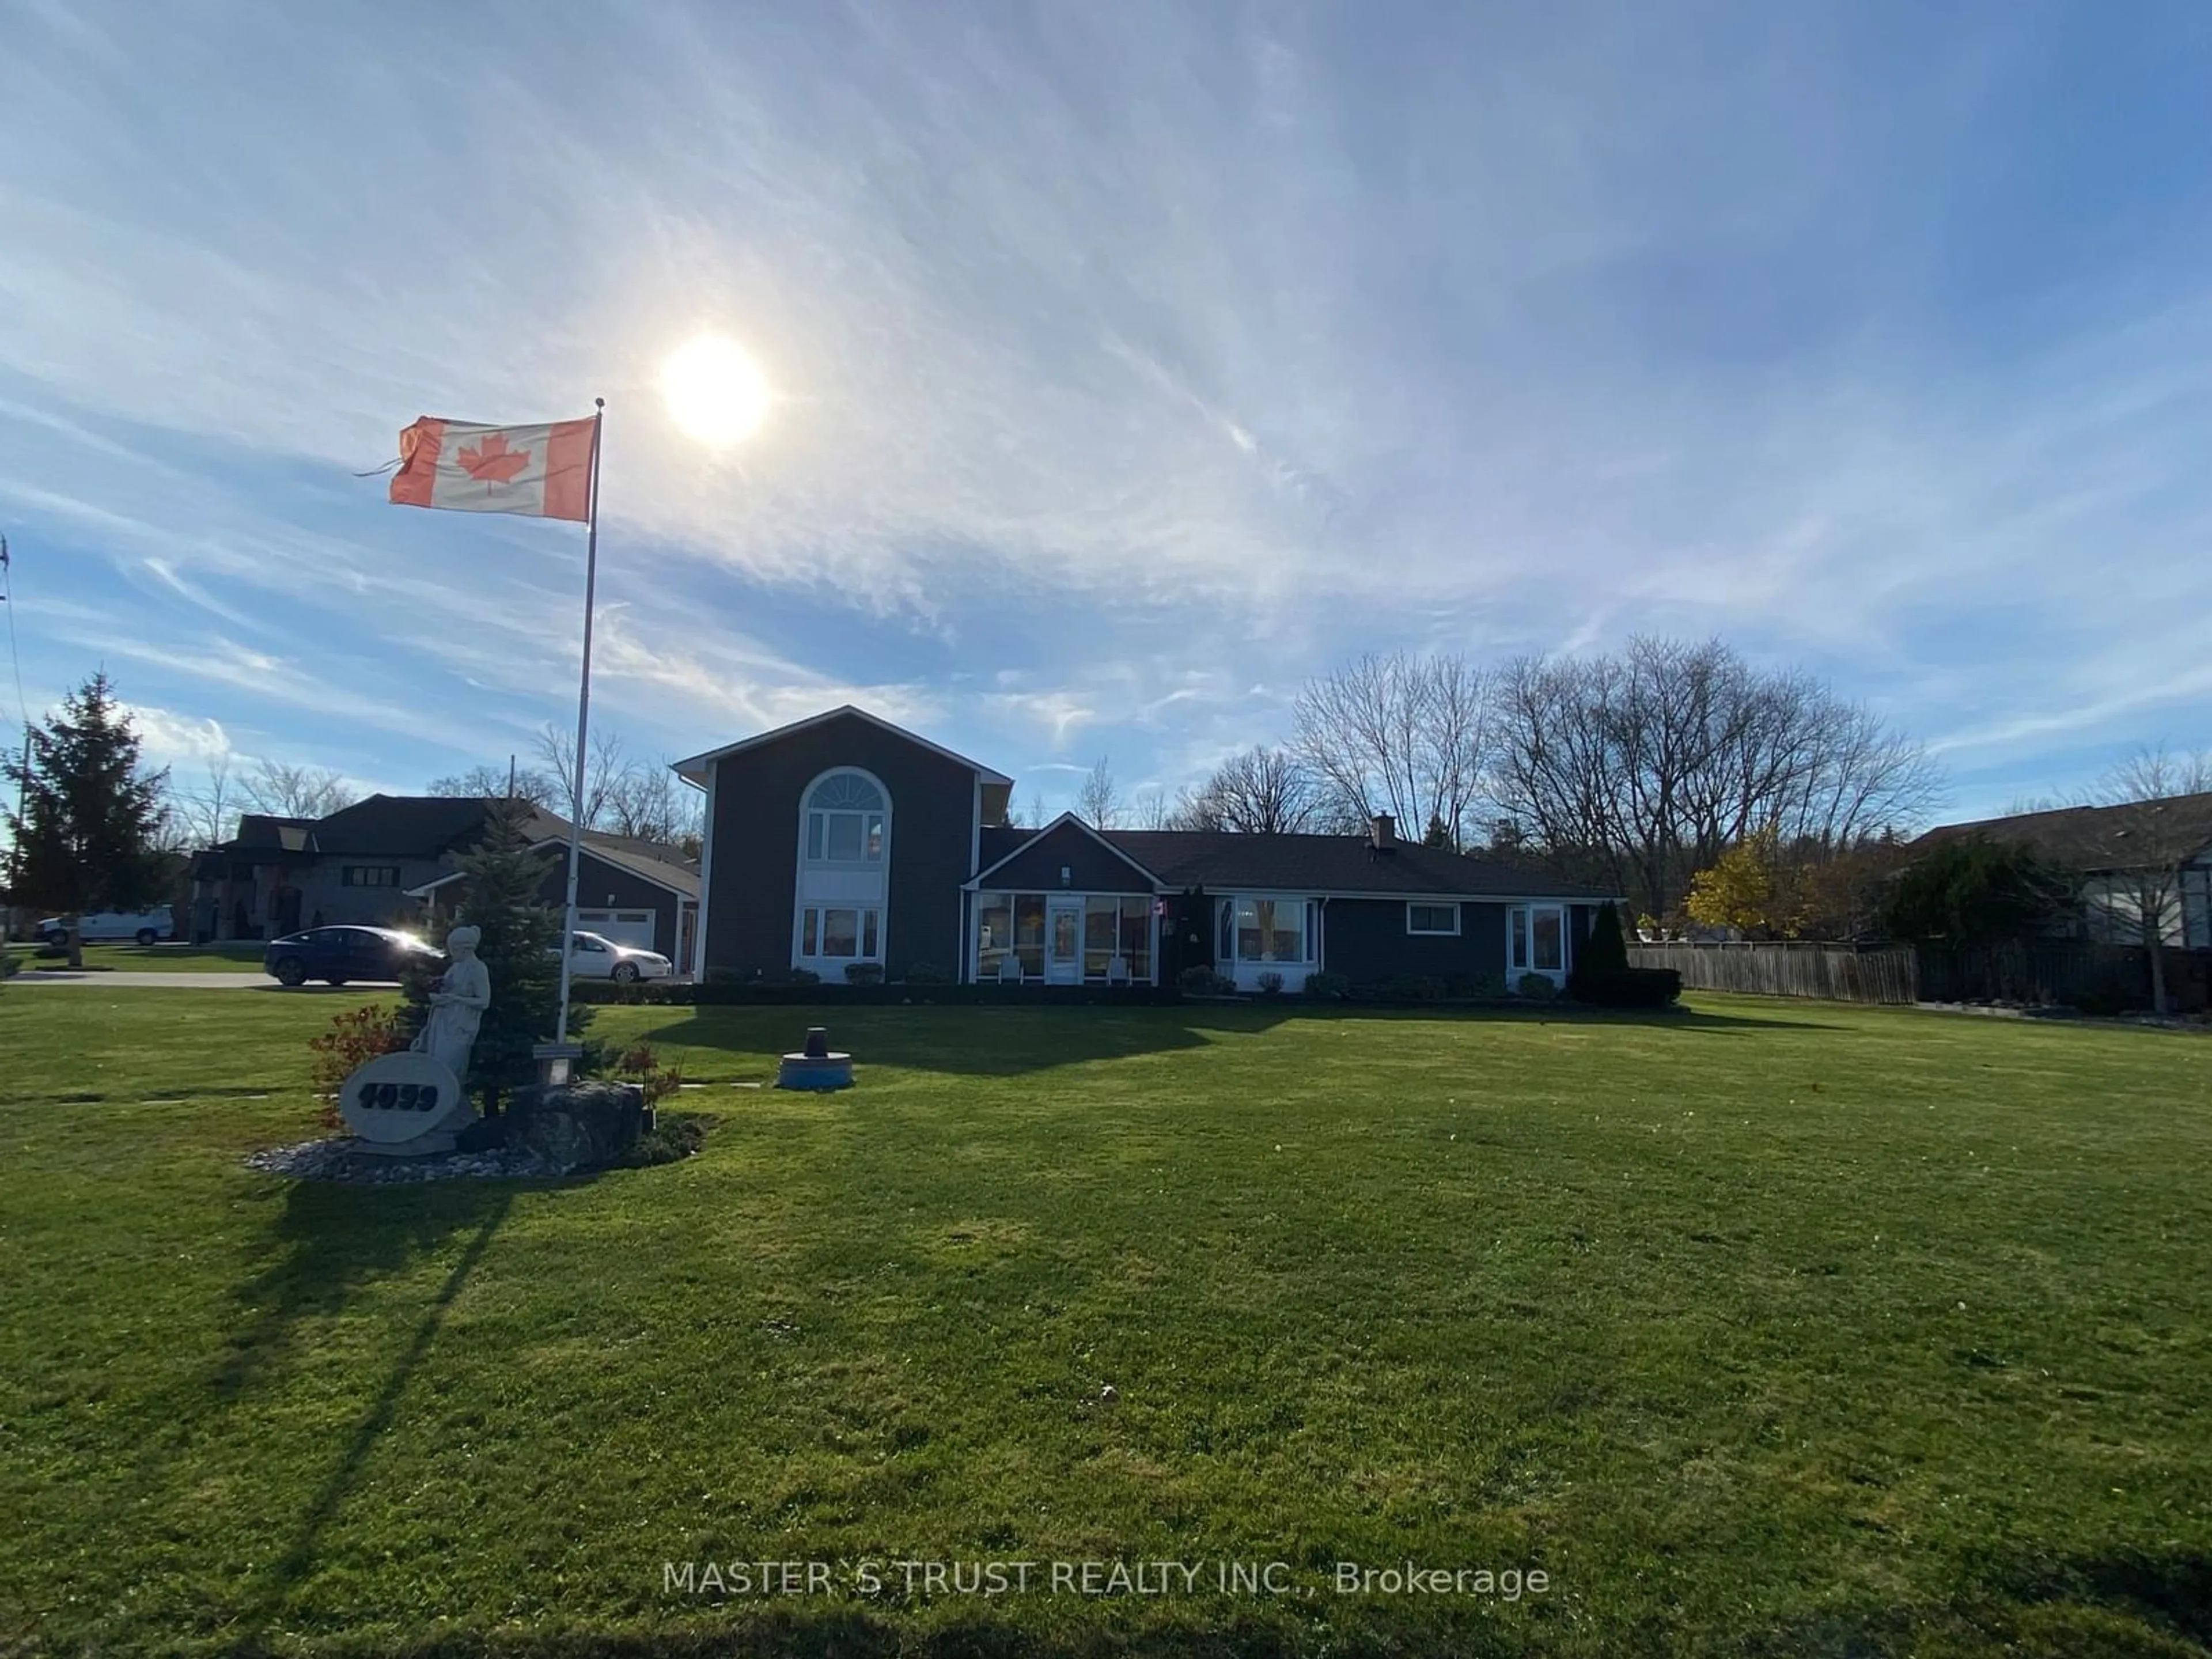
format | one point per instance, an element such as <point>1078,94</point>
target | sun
<point>713,390</point>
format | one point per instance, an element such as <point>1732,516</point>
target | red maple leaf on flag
<point>492,462</point>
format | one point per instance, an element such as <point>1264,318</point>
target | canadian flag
<point>542,471</point>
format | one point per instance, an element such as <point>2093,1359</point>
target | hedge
<point>664,993</point>
<point>1630,987</point>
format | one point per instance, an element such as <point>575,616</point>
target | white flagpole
<point>583,718</point>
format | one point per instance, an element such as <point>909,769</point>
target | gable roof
<point>1065,820</point>
<point>694,768</point>
<point>676,878</point>
<point>420,826</point>
<point>2087,838</point>
<point>1223,860</point>
<point>1331,864</point>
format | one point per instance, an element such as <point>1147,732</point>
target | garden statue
<point>458,1002</point>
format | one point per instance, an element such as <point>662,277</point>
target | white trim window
<point>840,908</point>
<point>847,820</point>
<point>1536,940</point>
<point>1258,933</point>
<point>1434,920</point>
<point>837,933</point>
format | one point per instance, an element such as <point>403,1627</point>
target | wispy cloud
<point>1145,354</point>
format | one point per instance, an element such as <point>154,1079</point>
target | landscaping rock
<point>576,1126</point>
<point>340,1158</point>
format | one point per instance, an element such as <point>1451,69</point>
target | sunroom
<point>1064,939</point>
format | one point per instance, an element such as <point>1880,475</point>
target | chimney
<point>1383,833</point>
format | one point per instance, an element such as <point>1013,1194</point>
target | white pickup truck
<point>146,927</point>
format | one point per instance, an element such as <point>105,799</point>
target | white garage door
<point>622,927</point>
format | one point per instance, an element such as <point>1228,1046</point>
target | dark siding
<point>595,880</point>
<point>1366,940</point>
<point>756,795</point>
<point>1091,868</point>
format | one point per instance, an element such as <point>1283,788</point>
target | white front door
<point>1536,942</point>
<point>1063,942</point>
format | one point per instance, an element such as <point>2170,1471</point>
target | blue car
<point>338,955</point>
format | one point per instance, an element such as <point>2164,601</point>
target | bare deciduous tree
<point>1640,769</point>
<point>1261,791</point>
<point>608,767</point>
<point>208,814</point>
<point>295,792</point>
<point>1407,735</point>
<point>1154,811</point>
<point>2154,824</point>
<point>499,782</point>
<point>653,803</point>
<point>1098,802</point>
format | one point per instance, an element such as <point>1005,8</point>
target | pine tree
<point>1439,834</point>
<point>1606,951</point>
<point>91,817</point>
<point>520,947</point>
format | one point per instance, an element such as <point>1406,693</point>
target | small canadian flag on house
<point>544,471</point>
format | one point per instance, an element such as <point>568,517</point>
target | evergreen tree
<point>1439,834</point>
<point>519,947</point>
<point>87,838</point>
<point>1606,951</point>
<point>1976,891</point>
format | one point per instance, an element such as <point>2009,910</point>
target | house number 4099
<point>398,1098</point>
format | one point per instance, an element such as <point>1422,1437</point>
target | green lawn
<point>1777,1329</point>
<point>242,956</point>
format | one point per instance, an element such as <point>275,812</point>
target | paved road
<point>123,979</point>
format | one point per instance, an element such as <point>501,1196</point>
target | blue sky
<point>1134,363</point>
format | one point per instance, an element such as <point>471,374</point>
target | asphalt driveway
<point>120,978</point>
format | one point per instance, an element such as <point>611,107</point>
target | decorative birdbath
<point>816,1065</point>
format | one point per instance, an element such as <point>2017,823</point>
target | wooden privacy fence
<point>2110,976</point>
<point>1840,973</point>
<point>2042,974</point>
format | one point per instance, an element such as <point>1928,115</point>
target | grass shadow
<point>296,1559</point>
<point>985,1042</point>
<point>1005,1040</point>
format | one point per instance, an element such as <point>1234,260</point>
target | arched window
<point>847,820</point>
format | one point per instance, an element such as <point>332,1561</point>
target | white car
<point>146,927</point>
<point>591,956</point>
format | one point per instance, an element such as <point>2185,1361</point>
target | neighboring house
<point>843,838</point>
<point>2095,842</point>
<point>394,861</point>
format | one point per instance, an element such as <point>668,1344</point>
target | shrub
<point>352,1041</point>
<point>1537,987</point>
<point>924,973</point>
<point>2102,1003</point>
<point>802,976</point>
<point>1327,988</point>
<point>864,973</point>
<point>636,1064</point>
<point>1413,988</point>
<point>1490,986</point>
<point>674,1137</point>
<point>1271,984</point>
<point>1201,981</point>
<point>1630,987</point>
<point>8,963</point>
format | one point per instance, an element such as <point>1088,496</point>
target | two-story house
<point>844,839</point>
